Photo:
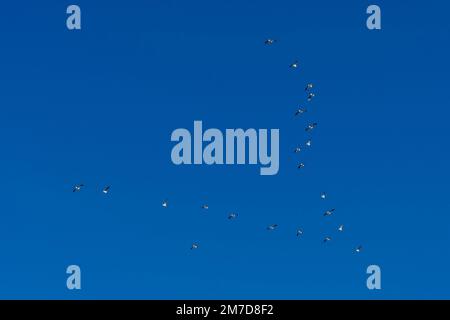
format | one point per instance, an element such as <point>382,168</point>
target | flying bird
<point>194,246</point>
<point>326,239</point>
<point>311,96</point>
<point>165,204</point>
<point>328,212</point>
<point>323,195</point>
<point>297,150</point>
<point>205,207</point>
<point>77,187</point>
<point>300,111</point>
<point>272,227</point>
<point>341,228</point>
<point>311,126</point>
<point>270,41</point>
<point>106,189</point>
<point>294,65</point>
<point>299,232</point>
<point>301,166</point>
<point>308,143</point>
<point>358,249</point>
<point>232,216</point>
<point>309,86</point>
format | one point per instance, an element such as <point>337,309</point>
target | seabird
<point>308,143</point>
<point>323,195</point>
<point>328,212</point>
<point>106,189</point>
<point>358,249</point>
<point>311,126</point>
<point>77,187</point>
<point>299,232</point>
<point>294,65</point>
<point>341,228</point>
<point>311,96</point>
<point>301,165</point>
<point>194,246</point>
<point>232,216</point>
<point>272,227</point>
<point>300,111</point>
<point>165,204</point>
<point>326,239</point>
<point>297,150</point>
<point>309,86</point>
<point>270,41</point>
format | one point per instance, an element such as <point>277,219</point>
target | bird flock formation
<point>300,112</point>
<point>310,95</point>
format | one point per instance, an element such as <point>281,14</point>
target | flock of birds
<point>309,128</point>
<point>310,95</point>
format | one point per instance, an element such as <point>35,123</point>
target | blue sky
<point>97,106</point>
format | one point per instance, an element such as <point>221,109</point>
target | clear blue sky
<point>97,106</point>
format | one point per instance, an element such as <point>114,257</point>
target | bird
<point>294,65</point>
<point>311,126</point>
<point>311,96</point>
<point>323,195</point>
<point>232,216</point>
<point>77,187</point>
<point>270,41</point>
<point>205,207</point>
<point>309,86</point>
<point>328,212</point>
<point>165,204</point>
<point>300,111</point>
<point>308,143</point>
<point>301,165</point>
<point>326,239</point>
<point>106,189</point>
<point>341,228</point>
<point>194,246</point>
<point>297,150</point>
<point>358,249</point>
<point>299,232</point>
<point>272,227</point>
